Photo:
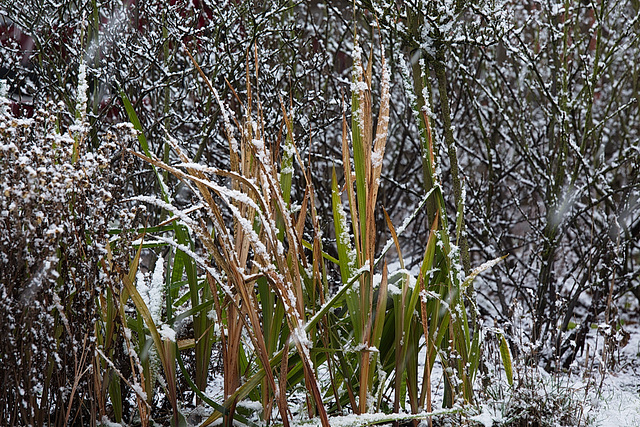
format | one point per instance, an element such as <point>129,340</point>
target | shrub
<point>57,203</point>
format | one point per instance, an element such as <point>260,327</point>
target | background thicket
<point>519,119</point>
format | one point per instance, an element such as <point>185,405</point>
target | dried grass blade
<point>302,215</point>
<point>480,269</point>
<point>284,368</point>
<point>381,132</point>
<point>425,393</point>
<point>394,236</point>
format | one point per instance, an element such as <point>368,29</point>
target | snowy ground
<point>618,402</point>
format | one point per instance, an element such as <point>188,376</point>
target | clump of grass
<point>535,400</point>
<point>261,291</point>
<point>257,275</point>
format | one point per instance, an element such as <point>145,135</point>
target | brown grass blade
<point>381,131</point>
<point>394,235</point>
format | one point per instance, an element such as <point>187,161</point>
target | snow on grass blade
<point>168,363</point>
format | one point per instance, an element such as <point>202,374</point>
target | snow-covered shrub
<point>552,158</point>
<point>543,102</point>
<point>140,49</point>
<point>56,205</point>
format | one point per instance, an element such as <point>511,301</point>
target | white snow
<point>166,332</point>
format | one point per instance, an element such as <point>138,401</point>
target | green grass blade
<point>343,242</point>
<point>325,255</point>
<point>135,121</point>
<point>505,354</point>
<point>359,166</point>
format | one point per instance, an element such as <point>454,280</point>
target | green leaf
<point>359,165</point>
<point>505,354</point>
<point>343,241</point>
<point>133,118</point>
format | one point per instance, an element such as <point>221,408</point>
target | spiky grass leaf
<point>168,363</point>
<point>505,354</point>
<point>346,260</point>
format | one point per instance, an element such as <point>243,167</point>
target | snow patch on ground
<point>618,402</point>
<point>619,405</point>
